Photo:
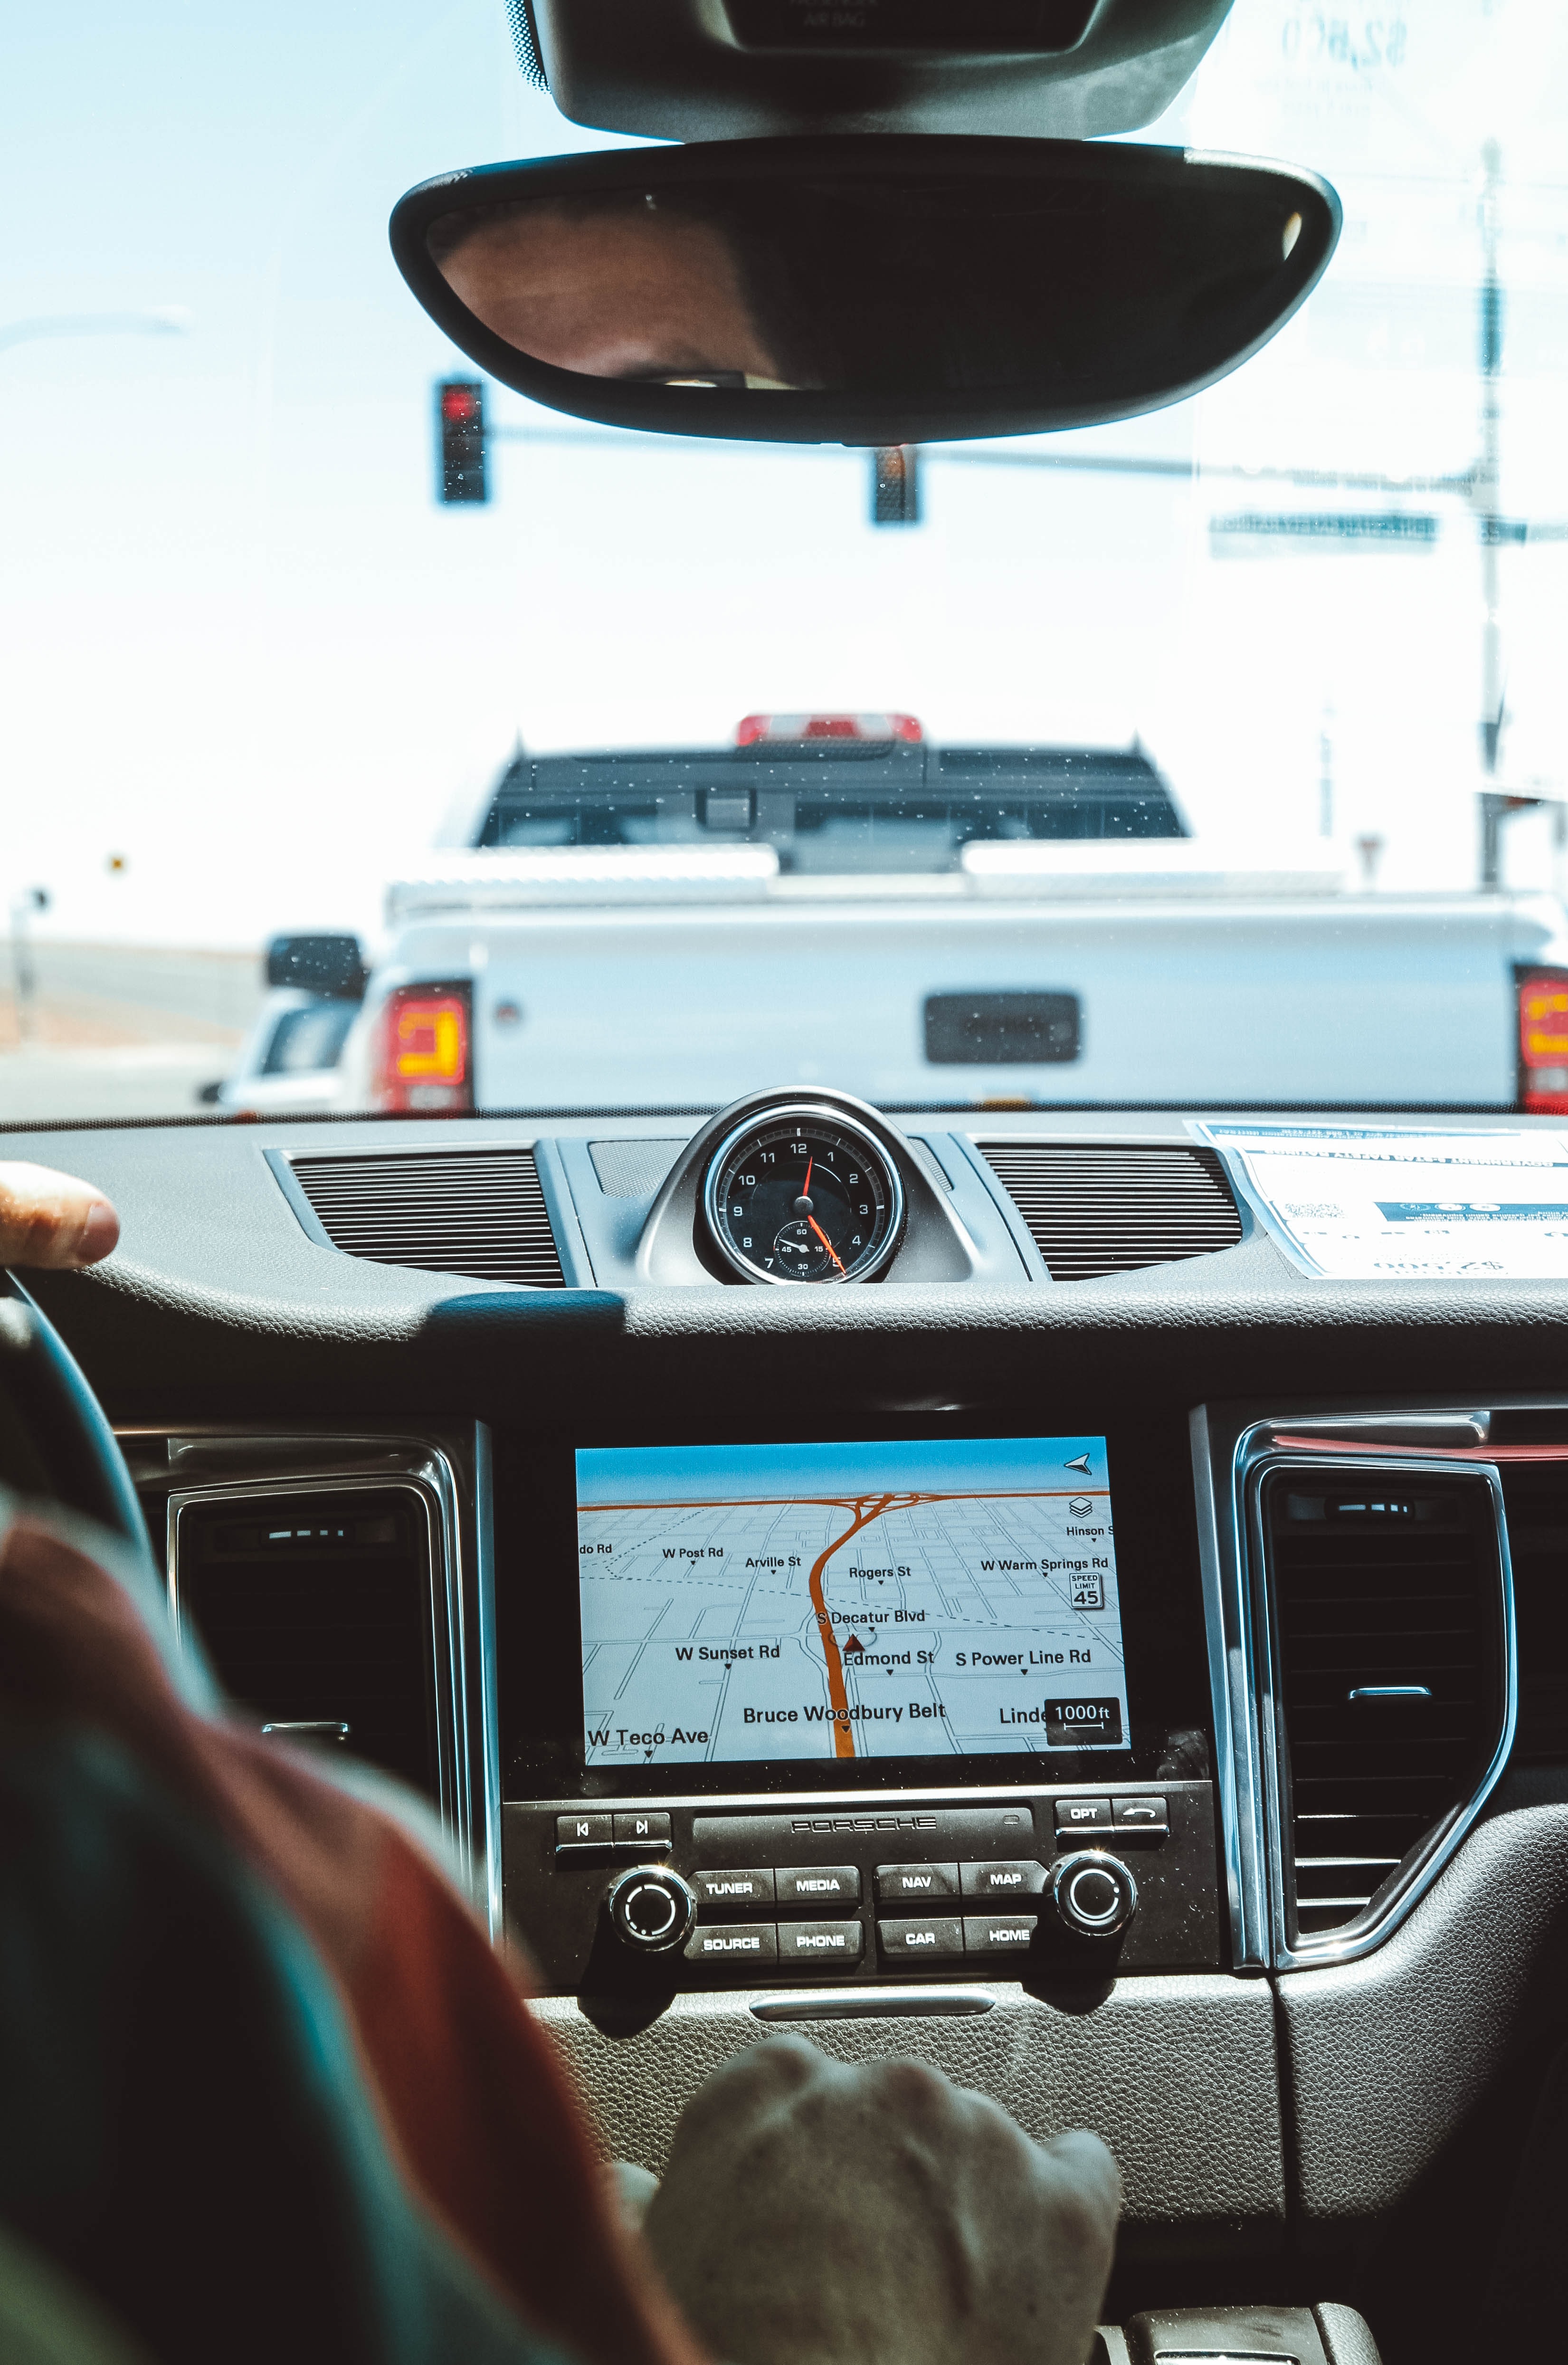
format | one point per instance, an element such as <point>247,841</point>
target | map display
<point>951,1600</point>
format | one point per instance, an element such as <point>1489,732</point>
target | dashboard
<point>1067,1642</point>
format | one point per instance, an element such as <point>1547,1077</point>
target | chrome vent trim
<point>1097,1208</point>
<point>211,1464</point>
<point>478,1212</point>
<point>1257,1458</point>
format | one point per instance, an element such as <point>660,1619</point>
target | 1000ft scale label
<point>802,1198</point>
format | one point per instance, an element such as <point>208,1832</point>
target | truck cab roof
<point>832,805</point>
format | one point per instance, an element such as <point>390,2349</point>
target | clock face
<point>803,1194</point>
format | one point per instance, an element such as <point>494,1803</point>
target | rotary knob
<point>653,1910</point>
<point>1095,1893</point>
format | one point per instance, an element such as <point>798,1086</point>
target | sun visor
<point>730,69</point>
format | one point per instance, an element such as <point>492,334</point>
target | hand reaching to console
<point>816,2214</point>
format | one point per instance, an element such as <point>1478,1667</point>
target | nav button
<point>915,1883</point>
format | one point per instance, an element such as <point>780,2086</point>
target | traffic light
<point>895,485</point>
<point>460,471</point>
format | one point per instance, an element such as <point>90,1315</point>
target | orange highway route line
<point>843,1730</point>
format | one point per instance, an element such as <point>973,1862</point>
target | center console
<point>878,1712</point>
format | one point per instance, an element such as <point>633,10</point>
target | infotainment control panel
<point>863,1710</point>
<point>700,1893</point>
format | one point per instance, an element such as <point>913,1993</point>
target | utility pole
<point>1485,490</point>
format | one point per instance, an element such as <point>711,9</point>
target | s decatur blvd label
<point>1071,1724</point>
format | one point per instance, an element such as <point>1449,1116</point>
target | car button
<point>740,1944</point>
<point>1140,1815</point>
<point>939,1940</point>
<point>818,1884</point>
<point>998,1933</point>
<point>728,1889</point>
<point>917,1883</point>
<point>1018,1878</point>
<point>820,1942</point>
<point>650,1828</point>
<point>583,1830</point>
<point>1083,1815</point>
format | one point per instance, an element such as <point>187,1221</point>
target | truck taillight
<point>422,1056</point>
<point>1543,1039</point>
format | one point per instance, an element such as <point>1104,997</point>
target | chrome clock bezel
<point>839,1121</point>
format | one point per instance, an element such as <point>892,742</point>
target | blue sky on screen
<point>666,1473</point>
<point>246,649</point>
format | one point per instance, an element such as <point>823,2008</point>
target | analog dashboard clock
<point>803,1194</point>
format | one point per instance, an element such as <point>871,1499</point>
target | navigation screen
<point>838,1601</point>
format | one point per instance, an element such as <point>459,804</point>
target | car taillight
<point>422,1054</point>
<point>1543,1039</point>
<point>759,730</point>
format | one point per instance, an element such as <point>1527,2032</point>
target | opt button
<point>1083,1815</point>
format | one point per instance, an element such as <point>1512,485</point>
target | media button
<point>1141,1815</point>
<point>820,1942</point>
<point>937,1940</point>
<point>650,1829</point>
<point>1083,1815</point>
<point>728,1890</point>
<point>1018,1878</point>
<point>818,1884</point>
<point>583,1830</point>
<point>915,1883</point>
<point>734,1947</point>
<point>998,1933</point>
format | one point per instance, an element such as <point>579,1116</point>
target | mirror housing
<point>331,966</point>
<point>874,289</point>
<point>728,69</point>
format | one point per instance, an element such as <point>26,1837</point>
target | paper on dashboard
<point>1364,1202</point>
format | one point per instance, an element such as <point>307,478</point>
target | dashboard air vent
<point>316,1612</point>
<point>1104,1208</point>
<point>477,1212</point>
<point>1389,1652</point>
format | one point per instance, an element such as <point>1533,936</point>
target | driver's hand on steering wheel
<point>51,1219</point>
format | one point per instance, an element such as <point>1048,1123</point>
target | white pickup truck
<point>921,925</point>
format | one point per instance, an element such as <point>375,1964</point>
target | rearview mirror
<point>874,289</point>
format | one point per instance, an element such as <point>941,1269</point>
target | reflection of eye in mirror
<point>870,289</point>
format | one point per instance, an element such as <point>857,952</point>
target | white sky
<point>244,648</point>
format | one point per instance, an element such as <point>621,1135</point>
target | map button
<point>1083,1815</point>
<point>820,1942</point>
<point>1003,1880</point>
<point>932,1941</point>
<point>725,1890</point>
<point>998,1933</point>
<point>736,1946</point>
<point>916,1883</point>
<point>818,1884</point>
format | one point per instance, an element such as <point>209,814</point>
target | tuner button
<point>1095,1893</point>
<point>653,1910</point>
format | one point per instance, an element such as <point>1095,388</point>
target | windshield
<point>1211,758</point>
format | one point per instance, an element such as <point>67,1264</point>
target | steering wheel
<point>55,1443</point>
